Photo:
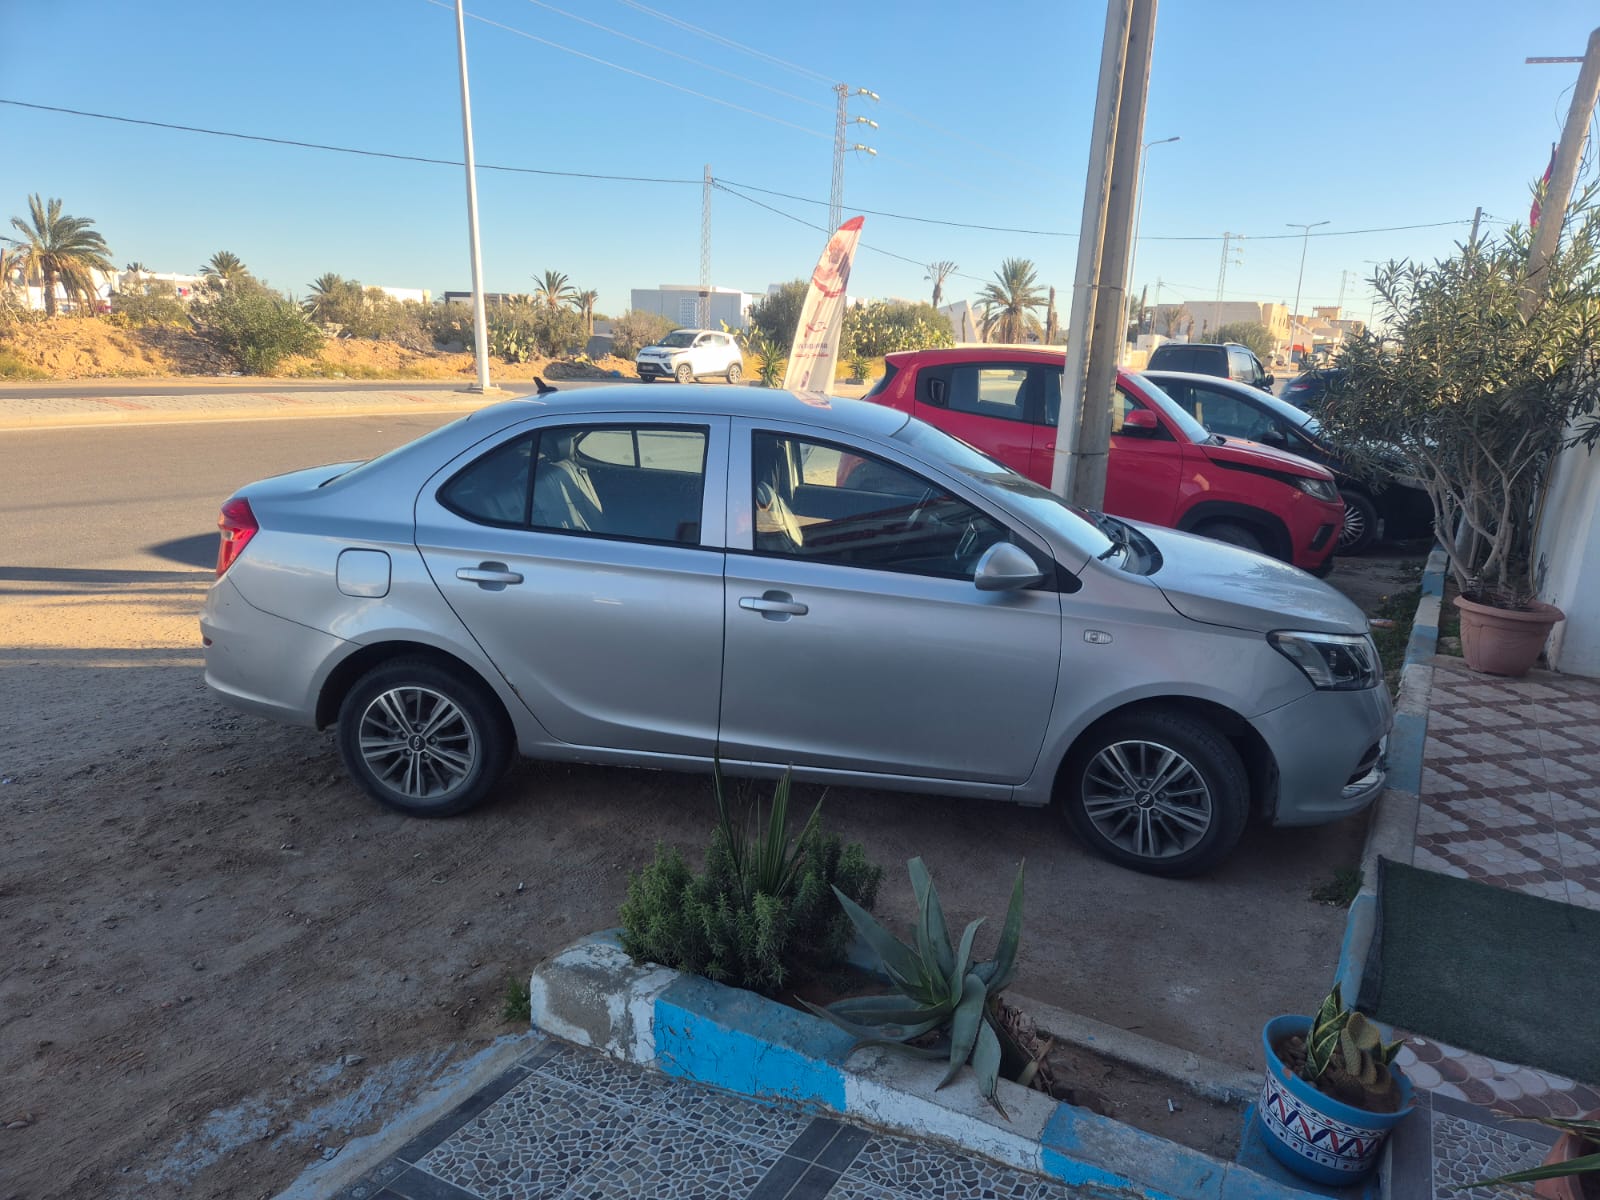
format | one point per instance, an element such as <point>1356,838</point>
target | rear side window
<point>889,372</point>
<point>989,391</point>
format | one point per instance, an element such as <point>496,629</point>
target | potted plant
<point>946,1006</point>
<point>1480,378</point>
<point>1331,1094</point>
<point>1571,1171</point>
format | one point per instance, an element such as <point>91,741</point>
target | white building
<point>680,302</point>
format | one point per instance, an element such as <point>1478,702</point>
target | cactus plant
<point>941,990</point>
<point>1346,1044</point>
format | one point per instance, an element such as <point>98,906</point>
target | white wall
<point>1568,551</point>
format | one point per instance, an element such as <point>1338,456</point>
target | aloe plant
<point>1345,1040</point>
<point>1588,1131</point>
<point>940,987</point>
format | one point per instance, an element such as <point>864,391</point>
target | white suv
<point>690,354</point>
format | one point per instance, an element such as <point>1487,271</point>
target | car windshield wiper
<point>1114,530</point>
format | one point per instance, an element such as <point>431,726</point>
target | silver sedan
<point>776,581</point>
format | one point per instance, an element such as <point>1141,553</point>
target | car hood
<point>1240,452</point>
<point>1218,584</point>
<point>662,351</point>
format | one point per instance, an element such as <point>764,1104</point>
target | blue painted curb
<point>692,1028</point>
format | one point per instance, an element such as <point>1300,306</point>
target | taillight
<point>238,526</point>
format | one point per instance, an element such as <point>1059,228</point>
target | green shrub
<point>764,913</point>
<point>882,327</point>
<point>1250,334</point>
<point>635,329</point>
<point>256,326</point>
<point>155,304</point>
<point>777,314</point>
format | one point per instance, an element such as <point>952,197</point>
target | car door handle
<point>489,573</point>
<point>778,604</point>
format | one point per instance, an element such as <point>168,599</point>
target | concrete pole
<point>480,323</point>
<point>1563,174</point>
<point>1096,191</point>
<point>1305,242</point>
<point>1109,330</point>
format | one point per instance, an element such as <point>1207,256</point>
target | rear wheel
<point>1234,534</point>
<point>422,739</point>
<point>685,373</point>
<point>1157,791</point>
<point>1360,528</point>
<point>735,372</point>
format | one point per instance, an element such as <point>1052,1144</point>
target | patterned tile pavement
<point>570,1124</point>
<point>1511,782</point>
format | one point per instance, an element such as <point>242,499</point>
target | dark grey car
<point>623,576</point>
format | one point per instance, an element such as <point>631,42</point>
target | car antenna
<point>542,388</point>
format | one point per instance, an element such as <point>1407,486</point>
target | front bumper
<point>650,368</point>
<point>1329,749</point>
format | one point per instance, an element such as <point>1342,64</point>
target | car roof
<point>987,350</point>
<point>1233,385</point>
<point>713,400</point>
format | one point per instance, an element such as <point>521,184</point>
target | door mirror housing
<point>1275,437</point>
<point>1005,568</point>
<point>1140,421</point>
<point>1267,382</point>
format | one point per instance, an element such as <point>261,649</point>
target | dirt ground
<point>223,962</point>
<point>95,348</point>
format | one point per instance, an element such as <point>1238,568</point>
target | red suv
<point>1164,469</point>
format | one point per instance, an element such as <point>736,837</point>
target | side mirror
<point>1005,568</point>
<point>1140,421</point>
<point>1267,381</point>
<point>1274,437</point>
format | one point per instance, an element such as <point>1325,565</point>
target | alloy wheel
<point>417,742</point>
<point>1147,799</point>
<point>1354,529</point>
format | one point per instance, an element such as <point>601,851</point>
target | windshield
<point>1174,411</point>
<point>678,338</point>
<point>1037,504</point>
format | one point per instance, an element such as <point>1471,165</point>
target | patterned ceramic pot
<point>1314,1135</point>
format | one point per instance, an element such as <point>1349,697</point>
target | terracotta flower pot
<point>1570,1187</point>
<point>1504,641</point>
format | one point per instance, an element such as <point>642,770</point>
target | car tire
<point>1206,793</point>
<point>387,746</point>
<point>1234,534</point>
<point>1360,528</point>
<point>647,379</point>
<point>685,373</point>
<point>735,373</point>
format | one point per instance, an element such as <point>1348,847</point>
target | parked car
<point>1164,467</point>
<point>1225,360</point>
<point>690,354</point>
<point>1390,506</point>
<point>1308,391</point>
<point>610,576</point>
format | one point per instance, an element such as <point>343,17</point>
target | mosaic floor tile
<point>532,1143</point>
<point>1464,1151</point>
<point>617,1081</point>
<point>1523,1091</point>
<point>775,1125</point>
<point>936,1173</point>
<point>663,1160</point>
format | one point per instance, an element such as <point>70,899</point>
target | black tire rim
<point>1146,799</point>
<point>417,742</point>
<point>1354,529</point>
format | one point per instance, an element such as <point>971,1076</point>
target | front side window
<point>1226,414</point>
<point>827,503</point>
<point>640,483</point>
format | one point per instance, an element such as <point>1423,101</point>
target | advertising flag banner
<point>816,340</point>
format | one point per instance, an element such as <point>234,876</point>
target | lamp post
<point>480,332</point>
<point>1138,219</point>
<point>1305,242</point>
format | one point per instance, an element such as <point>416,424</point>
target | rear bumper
<point>1329,748</point>
<point>262,663</point>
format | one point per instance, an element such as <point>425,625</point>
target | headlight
<point>1317,489</point>
<point>1333,662</point>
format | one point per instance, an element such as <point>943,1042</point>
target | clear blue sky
<point>1363,114</point>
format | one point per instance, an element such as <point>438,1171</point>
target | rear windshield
<point>1188,358</point>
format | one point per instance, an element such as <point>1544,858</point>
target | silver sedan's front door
<point>856,639</point>
<point>597,593</point>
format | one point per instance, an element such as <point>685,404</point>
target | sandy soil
<point>223,962</point>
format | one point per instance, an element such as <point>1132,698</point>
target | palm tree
<point>1009,302</point>
<point>554,290</point>
<point>939,272</point>
<point>223,268</point>
<point>327,292</point>
<point>55,248</point>
<point>584,302</point>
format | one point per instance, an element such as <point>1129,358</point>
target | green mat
<point>1497,972</point>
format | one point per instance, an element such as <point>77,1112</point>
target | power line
<point>701,31</point>
<point>279,141</point>
<point>677,87</point>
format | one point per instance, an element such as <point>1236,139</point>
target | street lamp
<point>1138,217</point>
<point>1305,241</point>
<point>480,332</point>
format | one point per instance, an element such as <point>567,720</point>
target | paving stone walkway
<point>567,1123</point>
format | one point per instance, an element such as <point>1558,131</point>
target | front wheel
<point>422,739</point>
<point>1234,534</point>
<point>685,373</point>
<point>735,373</point>
<point>1157,791</point>
<point>1360,528</point>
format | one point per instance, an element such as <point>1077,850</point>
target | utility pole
<point>1228,251</point>
<point>1110,329</point>
<point>1096,192</point>
<point>1563,174</point>
<point>1344,277</point>
<point>1305,241</point>
<point>843,118</point>
<point>702,311</point>
<point>1477,219</point>
<point>480,322</point>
